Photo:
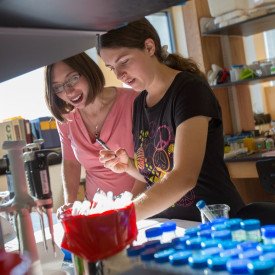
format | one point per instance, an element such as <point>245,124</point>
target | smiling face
<point>69,85</point>
<point>132,66</point>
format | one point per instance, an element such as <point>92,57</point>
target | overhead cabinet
<point>37,33</point>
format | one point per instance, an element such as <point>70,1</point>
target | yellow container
<point>250,144</point>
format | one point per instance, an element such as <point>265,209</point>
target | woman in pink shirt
<point>86,110</point>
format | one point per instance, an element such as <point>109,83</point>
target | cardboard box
<point>45,128</point>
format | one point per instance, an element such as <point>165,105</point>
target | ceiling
<point>35,33</point>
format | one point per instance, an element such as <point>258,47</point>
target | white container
<point>219,7</point>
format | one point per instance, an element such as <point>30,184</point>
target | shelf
<point>245,28</point>
<point>245,82</point>
<point>37,33</point>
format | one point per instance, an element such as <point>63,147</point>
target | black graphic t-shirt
<point>154,131</point>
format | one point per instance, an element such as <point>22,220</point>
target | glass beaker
<point>216,211</point>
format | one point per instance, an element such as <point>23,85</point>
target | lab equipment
<point>205,211</point>
<point>38,178</point>
<point>21,204</point>
<point>102,143</point>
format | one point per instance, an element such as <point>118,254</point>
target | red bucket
<point>14,263</point>
<point>99,236</point>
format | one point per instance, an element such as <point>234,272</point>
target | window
<point>162,23</point>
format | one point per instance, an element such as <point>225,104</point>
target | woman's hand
<point>117,161</point>
<point>62,209</point>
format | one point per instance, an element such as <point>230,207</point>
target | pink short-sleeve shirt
<point>116,133</point>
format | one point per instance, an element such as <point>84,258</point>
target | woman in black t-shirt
<point>177,127</point>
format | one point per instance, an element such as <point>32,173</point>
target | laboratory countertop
<point>51,263</point>
<point>251,157</point>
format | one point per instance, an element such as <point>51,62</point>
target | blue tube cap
<point>238,266</point>
<point>217,263</point>
<point>201,204</point>
<point>261,267</point>
<point>180,240</point>
<point>250,224</point>
<point>251,254</point>
<point>153,232</point>
<point>198,261</point>
<point>180,258</point>
<point>133,251</point>
<point>163,256</point>
<point>168,226</point>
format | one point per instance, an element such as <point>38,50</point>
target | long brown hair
<point>134,35</point>
<point>87,68</point>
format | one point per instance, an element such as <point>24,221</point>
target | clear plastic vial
<point>168,231</point>
<point>252,229</point>
<point>154,233</point>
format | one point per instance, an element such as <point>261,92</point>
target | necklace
<point>94,120</point>
<point>97,132</point>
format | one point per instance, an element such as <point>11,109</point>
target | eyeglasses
<point>70,83</point>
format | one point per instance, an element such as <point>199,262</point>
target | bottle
<point>222,235</point>
<point>228,244</point>
<point>195,245</point>
<point>252,229</point>
<point>272,68</point>
<point>268,234</point>
<point>154,233</point>
<point>269,143</point>
<point>191,232</point>
<point>151,244</point>
<point>231,253</point>
<point>268,256</point>
<point>180,240</point>
<point>168,231</point>
<point>251,254</point>
<point>179,261</point>
<point>217,265</point>
<point>199,263</point>
<point>261,267</point>
<point>147,257</point>
<point>162,259</point>
<point>247,245</point>
<point>266,248</point>
<point>238,266</point>
<point>133,253</point>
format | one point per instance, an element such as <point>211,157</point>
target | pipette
<point>102,143</point>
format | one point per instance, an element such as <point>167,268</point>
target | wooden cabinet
<point>224,47</point>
